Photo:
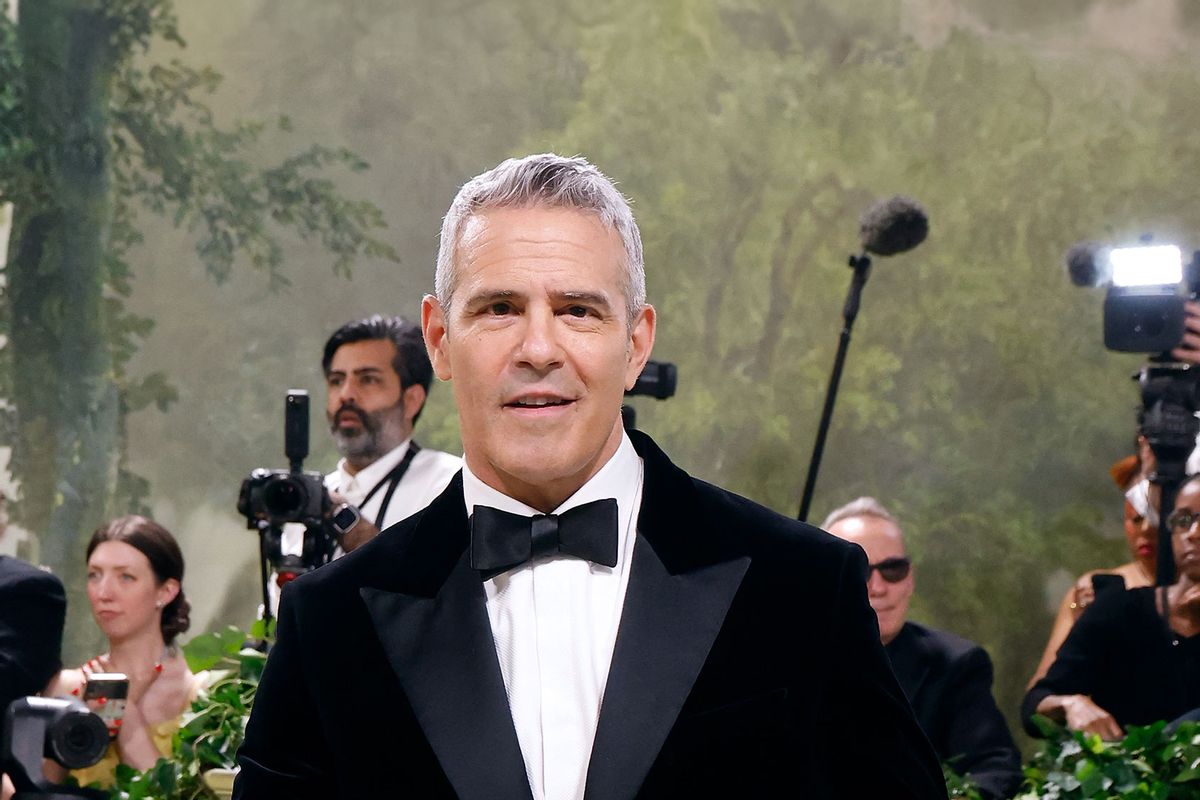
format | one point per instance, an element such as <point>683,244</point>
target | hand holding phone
<point>106,693</point>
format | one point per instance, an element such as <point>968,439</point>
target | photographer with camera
<point>32,609</point>
<point>1132,657</point>
<point>377,376</point>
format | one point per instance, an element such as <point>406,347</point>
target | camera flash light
<point>1156,265</point>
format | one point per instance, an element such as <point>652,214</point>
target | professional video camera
<point>63,730</point>
<point>271,498</point>
<point>656,380</point>
<point>1144,312</point>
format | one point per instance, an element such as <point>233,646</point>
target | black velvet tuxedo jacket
<point>948,680</point>
<point>32,608</point>
<point>747,664</point>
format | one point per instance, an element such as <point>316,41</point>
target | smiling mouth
<point>539,402</point>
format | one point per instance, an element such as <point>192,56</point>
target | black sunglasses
<point>892,570</point>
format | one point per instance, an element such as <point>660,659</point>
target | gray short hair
<point>551,181</point>
<point>860,507</point>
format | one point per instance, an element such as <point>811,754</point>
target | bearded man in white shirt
<point>576,617</point>
<point>377,377</point>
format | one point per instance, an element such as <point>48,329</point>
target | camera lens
<point>283,497</point>
<point>77,739</point>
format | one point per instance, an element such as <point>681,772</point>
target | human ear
<point>433,326</point>
<point>641,342</point>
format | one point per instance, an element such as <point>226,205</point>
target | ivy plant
<point>1150,763</point>
<point>212,730</point>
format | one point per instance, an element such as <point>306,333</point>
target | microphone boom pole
<point>861,264</point>
<point>891,226</point>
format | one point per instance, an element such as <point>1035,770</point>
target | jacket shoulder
<point>944,646</point>
<point>15,573</point>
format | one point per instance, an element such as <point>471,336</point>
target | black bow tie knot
<point>501,540</point>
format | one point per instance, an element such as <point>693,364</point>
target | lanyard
<point>392,479</point>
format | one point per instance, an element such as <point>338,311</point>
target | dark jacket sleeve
<point>1074,668</point>
<point>874,738</point>
<point>977,740</point>
<point>284,754</point>
<point>32,609</point>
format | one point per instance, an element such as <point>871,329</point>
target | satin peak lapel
<point>667,628</point>
<point>441,649</point>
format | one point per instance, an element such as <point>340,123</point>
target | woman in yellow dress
<point>134,585</point>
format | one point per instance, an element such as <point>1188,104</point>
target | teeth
<point>538,401</point>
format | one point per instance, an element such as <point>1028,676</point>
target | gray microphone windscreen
<point>893,226</point>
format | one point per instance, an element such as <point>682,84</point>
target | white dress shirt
<point>554,622</point>
<point>424,480</point>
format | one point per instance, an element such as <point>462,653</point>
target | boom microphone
<point>1082,267</point>
<point>893,226</point>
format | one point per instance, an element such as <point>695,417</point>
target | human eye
<point>500,308</point>
<point>1182,520</point>
<point>333,380</point>
<point>578,311</point>
<point>92,574</point>
<point>127,577</point>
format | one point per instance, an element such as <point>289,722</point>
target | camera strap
<point>391,480</point>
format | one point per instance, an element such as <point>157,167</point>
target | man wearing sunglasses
<point>948,680</point>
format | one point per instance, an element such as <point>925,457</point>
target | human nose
<point>539,347</point>
<point>102,587</point>
<point>876,585</point>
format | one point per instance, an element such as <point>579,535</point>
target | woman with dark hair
<point>1141,533</point>
<point>1132,659</point>
<point>134,585</point>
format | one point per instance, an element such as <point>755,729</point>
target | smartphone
<point>105,693</point>
<point>1107,583</point>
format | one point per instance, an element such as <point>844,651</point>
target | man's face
<point>537,343</point>
<point>881,540</point>
<point>368,413</point>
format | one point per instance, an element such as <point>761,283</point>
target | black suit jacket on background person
<point>747,663</point>
<point>948,680</point>
<point>32,609</point>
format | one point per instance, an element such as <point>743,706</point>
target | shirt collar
<point>620,478</point>
<point>373,473</point>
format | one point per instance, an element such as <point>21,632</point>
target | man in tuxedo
<point>947,679</point>
<point>32,610</point>
<point>575,616</point>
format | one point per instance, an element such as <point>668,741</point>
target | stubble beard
<point>381,431</point>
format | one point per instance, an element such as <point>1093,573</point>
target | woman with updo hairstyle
<point>1141,533</point>
<point>135,587</point>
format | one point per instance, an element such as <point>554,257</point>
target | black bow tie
<point>501,541</point>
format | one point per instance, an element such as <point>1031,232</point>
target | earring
<point>159,604</point>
